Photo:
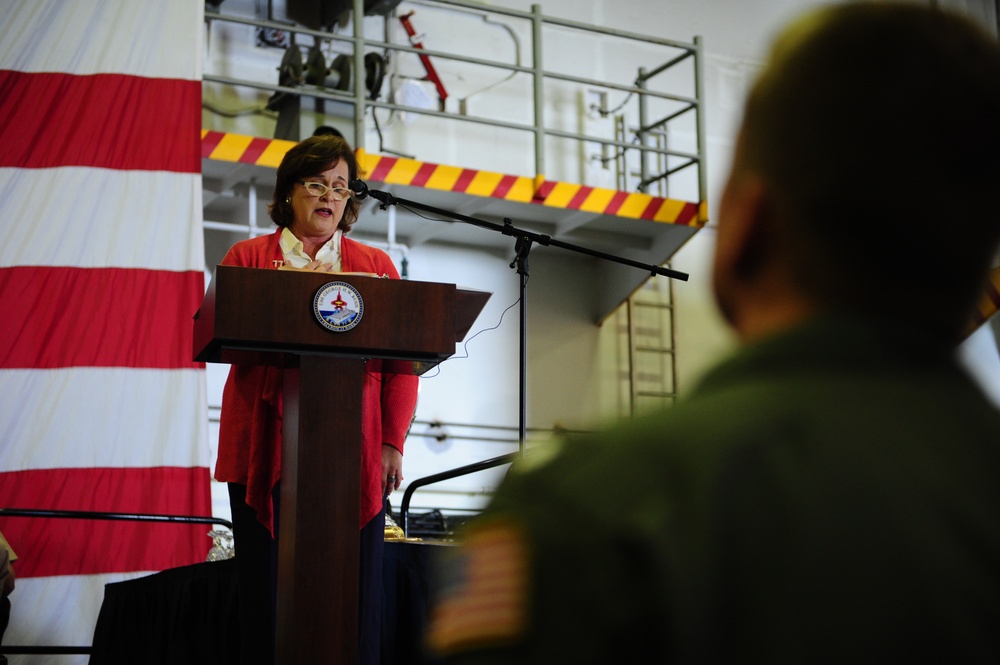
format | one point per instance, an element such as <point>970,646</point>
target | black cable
<point>378,130</point>
<point>465,345</point>
<point>606,112</point>
<point>620,153</point>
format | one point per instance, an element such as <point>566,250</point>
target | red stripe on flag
<point>113,121</point>
<point>57,546</point>
<point>97,317</point>
<point>382,169</point>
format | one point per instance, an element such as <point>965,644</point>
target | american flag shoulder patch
<point>482,598</point>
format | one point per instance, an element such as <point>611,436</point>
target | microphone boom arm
<point>386,199</point>
<point>522,246</point>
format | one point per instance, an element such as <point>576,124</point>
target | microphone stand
<point>522,247</point>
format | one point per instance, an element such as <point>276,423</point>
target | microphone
<point>361,192</point>
<point>360,189</point>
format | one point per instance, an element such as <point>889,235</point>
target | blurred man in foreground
<point>830,492</point>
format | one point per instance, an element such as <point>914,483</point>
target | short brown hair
<point>878,125</point>
<point>311,157</point>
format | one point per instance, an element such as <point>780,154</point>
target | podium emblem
<point>338,306</point>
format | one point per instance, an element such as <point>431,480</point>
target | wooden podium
<point>260,316</point>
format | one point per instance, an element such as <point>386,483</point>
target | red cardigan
<point>250,423</point>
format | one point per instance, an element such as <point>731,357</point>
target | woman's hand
<point>312,266</point>
<point>392,469</point>
<point>319,266</point>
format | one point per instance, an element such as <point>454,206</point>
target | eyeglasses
<point>319,189</point>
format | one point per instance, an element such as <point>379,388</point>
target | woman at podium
<point>314,211</point>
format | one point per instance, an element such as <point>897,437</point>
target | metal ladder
<point>652,367</point>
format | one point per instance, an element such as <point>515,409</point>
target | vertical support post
<point>359,74</point>
<point>699,94</point>
<point>521,249</point>
<point>252,206</point>
<point>630,334</point>
<point>640,82</point>
<point>662,137</point>
<point>673,342</point>
<point>539,89</point>
<point>522,419</point>
<point>621,163</point>
<point>318,542</point>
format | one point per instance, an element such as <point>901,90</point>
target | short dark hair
<point>327,130</point>
<point>311,157</point>
<point>878,126</point>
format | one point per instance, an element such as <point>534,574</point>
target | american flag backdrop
<point>101,270</point>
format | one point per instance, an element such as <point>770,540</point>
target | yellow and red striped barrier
<point>227,147</point>
<point>401,171</point>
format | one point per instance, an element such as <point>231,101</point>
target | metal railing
<point>91,515</point>
<point>444,431</point>
<point>646,129</point>
<point>96,515</point>
<point>404,509</point>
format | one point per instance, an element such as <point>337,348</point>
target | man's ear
<point>755,282</point>
<point>741,246</point>
<point>746,233</point>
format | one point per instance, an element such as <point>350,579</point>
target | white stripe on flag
<point>40,614</point>
<point>153,39</point>
<point>132,423</point>
<point>141,219</point>
<point>103,417</point>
